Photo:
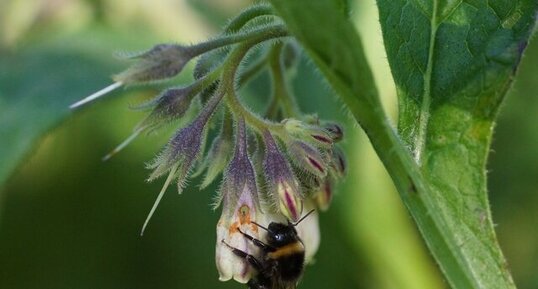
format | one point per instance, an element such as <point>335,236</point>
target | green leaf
<point>452,63</point>
<point>36,87</point>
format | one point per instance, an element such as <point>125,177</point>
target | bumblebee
<point>281,263</point>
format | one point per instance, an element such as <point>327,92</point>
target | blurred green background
<point>69,220</point>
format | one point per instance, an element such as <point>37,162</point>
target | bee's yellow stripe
<point>290,249</point>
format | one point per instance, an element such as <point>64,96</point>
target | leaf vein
<point>426,96</point>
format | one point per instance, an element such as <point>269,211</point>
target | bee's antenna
<point>304,217</point>
<point>260,226</point>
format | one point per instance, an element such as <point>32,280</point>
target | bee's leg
<point>242,254</point>
<point>254,284</point>
<point>266,248</point>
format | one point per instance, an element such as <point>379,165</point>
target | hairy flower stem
<point>228,84</point>
<point>256,35</point>
<point>253,120</point>
<point>251,71</point>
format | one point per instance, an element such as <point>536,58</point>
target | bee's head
<point>280,234</point>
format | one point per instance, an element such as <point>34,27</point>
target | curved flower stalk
<point>275,166</point>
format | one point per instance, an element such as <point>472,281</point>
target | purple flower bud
<point>338,162</point>
<point>336,132</point>
<point>184,147</point>
<point>282,185</point>
<point>321,137</point>
<point>161,62</point>
<point>172,104</point>
<point>308,158</point>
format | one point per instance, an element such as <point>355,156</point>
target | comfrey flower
<point>241,207</point>
<point>279,169</point>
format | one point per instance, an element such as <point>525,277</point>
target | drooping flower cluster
<point>275,166</point>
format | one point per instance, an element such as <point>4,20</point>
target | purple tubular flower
<point>241,207</point>
<point>237,217</point>
<point>282,185</point>
<point>240,172</point>
<point>161,62</point>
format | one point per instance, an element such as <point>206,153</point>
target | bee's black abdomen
<point>290,267</point>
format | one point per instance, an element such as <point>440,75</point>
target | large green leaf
<point>452,62</point>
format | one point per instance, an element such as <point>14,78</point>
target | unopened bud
<point>182,149</point>
<point>185,146</point>
<point>309,133</point>
<point>172,104</point>
<point>338,162</point>
<point>161,62</point>
<point>336,132</point>
<point>289,202</point>
<point>308,158</point>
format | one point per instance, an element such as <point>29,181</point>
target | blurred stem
<point>248,14</point>
<point>281,93</point>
